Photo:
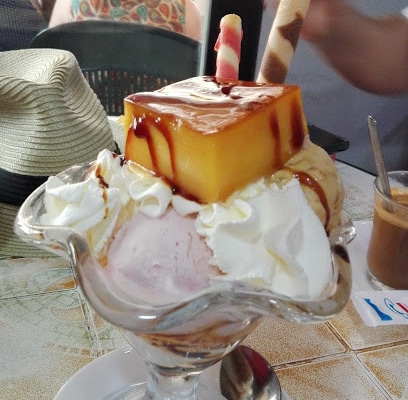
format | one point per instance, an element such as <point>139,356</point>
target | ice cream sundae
<point>147,206</point>
<point>218,214</point>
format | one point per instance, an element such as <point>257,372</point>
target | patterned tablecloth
<point>48,332</point>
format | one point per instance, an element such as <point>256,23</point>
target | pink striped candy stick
<point>228,47</point>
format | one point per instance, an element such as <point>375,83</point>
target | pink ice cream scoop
<point>159,259</point>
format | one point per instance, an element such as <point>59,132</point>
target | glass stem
<point>166,384</point>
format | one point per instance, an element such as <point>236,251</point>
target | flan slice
<point>209,137</point>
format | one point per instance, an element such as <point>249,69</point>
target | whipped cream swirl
<point>263,234</point>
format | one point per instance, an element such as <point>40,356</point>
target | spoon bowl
<point>246,375</point>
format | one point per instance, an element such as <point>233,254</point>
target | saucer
<point>119,368</point>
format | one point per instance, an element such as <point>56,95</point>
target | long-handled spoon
<point>378,155</point>
<point>246,375</point>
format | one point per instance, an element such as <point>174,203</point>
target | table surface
<point>48,332</point>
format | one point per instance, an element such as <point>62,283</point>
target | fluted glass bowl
<point>179,340</point>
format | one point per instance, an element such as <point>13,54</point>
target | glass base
<point>136,391</point>
<point>376,284</point>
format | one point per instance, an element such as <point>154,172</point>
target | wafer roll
<point>282,40</point>
<point>228,47</point>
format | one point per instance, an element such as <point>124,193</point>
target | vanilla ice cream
<point>320,182</point>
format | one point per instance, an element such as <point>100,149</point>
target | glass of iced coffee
<point>387,256</point>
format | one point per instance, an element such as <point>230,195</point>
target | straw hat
<point>50,119</point>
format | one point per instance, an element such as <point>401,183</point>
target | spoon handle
<point>378,155</point>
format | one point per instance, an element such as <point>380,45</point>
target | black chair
<point>119,58</point>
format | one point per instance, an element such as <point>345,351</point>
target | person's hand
<point>323,20</point>
<point>370,53</point>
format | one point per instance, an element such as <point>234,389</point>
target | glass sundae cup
<point>177,341</point>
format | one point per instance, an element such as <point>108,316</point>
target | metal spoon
<point>246,375</point>
<point>378,155</point>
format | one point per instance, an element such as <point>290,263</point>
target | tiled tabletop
<point>48,332</point>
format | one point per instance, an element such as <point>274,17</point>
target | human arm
<point>193,20</point>
<point>61,13</point>
<point>370,53</point>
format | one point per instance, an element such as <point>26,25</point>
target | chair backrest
<point>119,58</point>
<point>251,12</point>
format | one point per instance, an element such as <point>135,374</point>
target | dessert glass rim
<point>144,317</point>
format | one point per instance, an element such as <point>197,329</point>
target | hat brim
<point>117,132</point>
<point>10,244</point>
<point>13,246</point>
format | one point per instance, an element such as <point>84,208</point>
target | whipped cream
<point>263,234</point>
<point>108,197</point>
<point>269,236</point>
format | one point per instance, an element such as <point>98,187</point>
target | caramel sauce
<point>141,129</point>
<point>101,179</point>
<point>104,185</point>
<point>307,180</point>
<point>208,104</point>
<point>296,122</point>
<point>275,130</point>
